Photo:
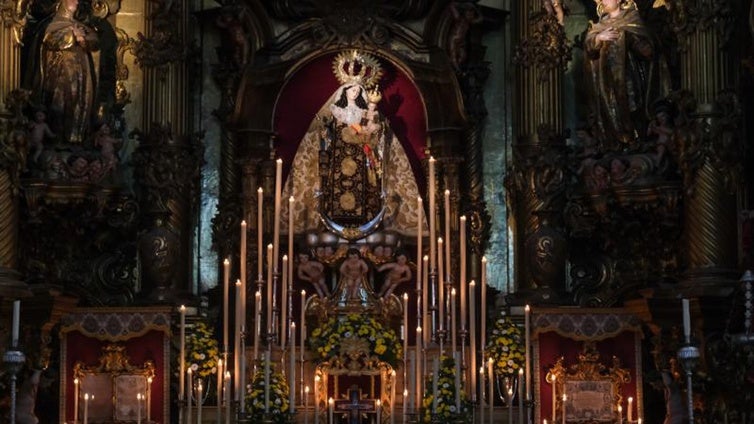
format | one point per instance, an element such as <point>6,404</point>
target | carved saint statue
<point>67,81</point>
<point>350,171</point>
<point>624,73</point>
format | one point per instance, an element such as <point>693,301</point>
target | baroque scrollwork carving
<point>166,167</point>
<point>690,16</point>
<point>164,46</point>
<point>547,48</point>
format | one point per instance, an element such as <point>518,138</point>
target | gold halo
<point>354,67</point>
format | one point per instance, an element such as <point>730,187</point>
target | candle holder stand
<point>14,361</point>
<point>433,307</point>
<point>688,356</point>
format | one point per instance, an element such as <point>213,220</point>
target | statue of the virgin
<point>351,173</point>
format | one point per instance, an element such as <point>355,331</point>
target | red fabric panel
<point>552,346</point>
<point>148,347</point>
<point>309,88</point>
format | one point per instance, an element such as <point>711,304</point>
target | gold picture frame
<point>593,390</point>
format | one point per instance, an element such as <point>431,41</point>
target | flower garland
<point>326,339</point>
<point>202,351</point>
<point>446,396</point>
<point>278,397</point>
<point>505,347</point>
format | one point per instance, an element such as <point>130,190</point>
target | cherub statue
<point>38,131</point>
<point>313,272</point>
<point>353,273</point>
<point>399,272</point>
<point>106,143</point>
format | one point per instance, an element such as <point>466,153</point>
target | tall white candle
<point>418,365</point>
<point>276,216</point>
<point>565,398</point>
<point>472,337</point>
<point>242,273</point>
<point>510,403</point>
<point>86,408</point>
<point>405,404</point>
<point>379,411</point>
<point>75,401</point>
<point>306,404</point>
<point>522,411</point>
<point>419,240</point>
<point>292,364</point>
<point>226,398</point>
<point>316,398</point>
<point>257,325</point>
<point>527,352</point>
<point>291,232</point>
<point>462,281</point>
<point>686,320</point>
<point>260,246</point>
<point>483,305</point>
<point>630,411</point>
<point>284,303</point>
<point>199,398</point>
<point>331,409</point>
<point>432,212</point>
<point>392,396</point>
<point>138,408</point>
<point>404,333</point>
<point>219,373</point>
<point>426,326</point>
<point>441,287</point>
<point>303,332</point>
<point>554,398</point>
<point>269,288</point>
<point>226,294</point>
<point>148,399</point>
<point>447,235</point>
<point>190,394</point>
<point>16,323</point>
<point>481,395</point>
<point>491,388</point>
<point>238,384</point>
<point>182,361</point>
<point>453,320</point>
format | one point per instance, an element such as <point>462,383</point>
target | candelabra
<point>688,356</point>
<point>14,360</point>
<point>747,337</point>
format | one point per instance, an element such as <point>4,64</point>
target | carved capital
<point>164,44</point>
<point>546,47</point>
<point>167,168</point>
<point>709,135</point>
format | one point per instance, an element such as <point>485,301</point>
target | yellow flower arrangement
<point>202,351</point>
<point>446,397</point>
<point>505,347</point>
<point>278,397</point>
<point>326,339</point>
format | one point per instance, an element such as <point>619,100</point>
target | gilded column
<point>12,158</point>
<point>537,182</point>
<point>709,139</point>
<point>12,21</point>
<point>163,54</point>
<point>167,171</point>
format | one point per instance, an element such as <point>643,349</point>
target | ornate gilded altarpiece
<point>116,353</point>
<point>595,357</point>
